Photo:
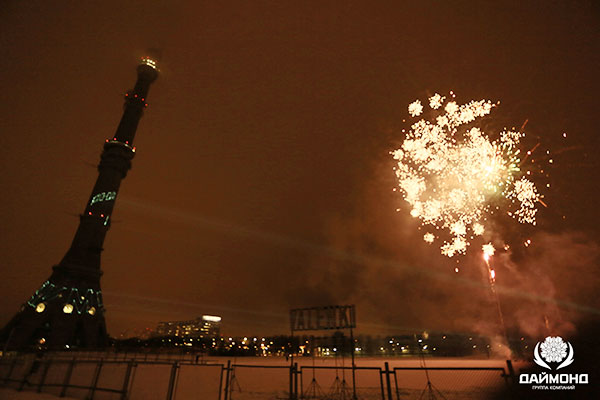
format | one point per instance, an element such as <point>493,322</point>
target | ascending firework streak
<point>488,252</point>
<point>454,178</point>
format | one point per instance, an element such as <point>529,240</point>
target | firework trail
<point>454,176</point>
<point>488,251</point>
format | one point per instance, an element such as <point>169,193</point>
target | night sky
<point>262,179</point>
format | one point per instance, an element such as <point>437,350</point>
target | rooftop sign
<point>318,318</point>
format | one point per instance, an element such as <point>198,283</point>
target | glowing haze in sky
<point>261,181</point>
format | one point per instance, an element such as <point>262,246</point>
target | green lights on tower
<point>104,196</point>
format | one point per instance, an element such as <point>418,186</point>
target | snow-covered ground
<point>263,378</point>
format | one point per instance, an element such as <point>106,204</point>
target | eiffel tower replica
<point>67,310</point>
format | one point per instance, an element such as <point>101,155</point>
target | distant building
<point>204,326</point>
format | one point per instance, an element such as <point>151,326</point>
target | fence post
<point>125,387</point>
<point>381,384</point>
<point>26,375</point>
<point>296,372</point>
<point>396,385</point>
<point>353,366</point>
<point>291,388</point>
<point>10,371</point>
<point>63,392</point>
<point>387,380</point>
<point>301,382</point>
<point>227,380</point>
<point>220,383</point>
<point>43,378</point>
<point>510,379</point>
<point>172,380</point>
<point>95,380</point>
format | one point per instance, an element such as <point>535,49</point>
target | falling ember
<point>429,237</point>
<point>453,178</point>
<point>436,101</point>
<point>493,274</point>
<point>415,108</point>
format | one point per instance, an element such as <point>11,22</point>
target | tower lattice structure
<point>67,310</point>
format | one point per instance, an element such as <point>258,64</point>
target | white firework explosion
<point>451,174</point>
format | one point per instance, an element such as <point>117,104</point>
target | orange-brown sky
<point>262,180</point>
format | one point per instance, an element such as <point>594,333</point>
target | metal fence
<point>115,378</point>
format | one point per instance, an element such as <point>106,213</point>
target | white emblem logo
<point>554,349</point>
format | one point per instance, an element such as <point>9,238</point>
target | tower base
<point>64,313</point>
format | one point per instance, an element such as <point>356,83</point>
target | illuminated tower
<point>67,310</point>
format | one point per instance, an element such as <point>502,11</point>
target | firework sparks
<point>436,101</point>
<point>452,176</point>
<point>488,251</point>
<point>478,229</point>
<point>415,108</point>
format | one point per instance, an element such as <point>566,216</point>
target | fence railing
<point>135,378</point>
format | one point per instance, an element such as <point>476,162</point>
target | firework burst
<point>453,175</point>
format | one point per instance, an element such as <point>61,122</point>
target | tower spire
<point>67,310</point>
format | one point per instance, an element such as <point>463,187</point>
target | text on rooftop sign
<point>317,318</point>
